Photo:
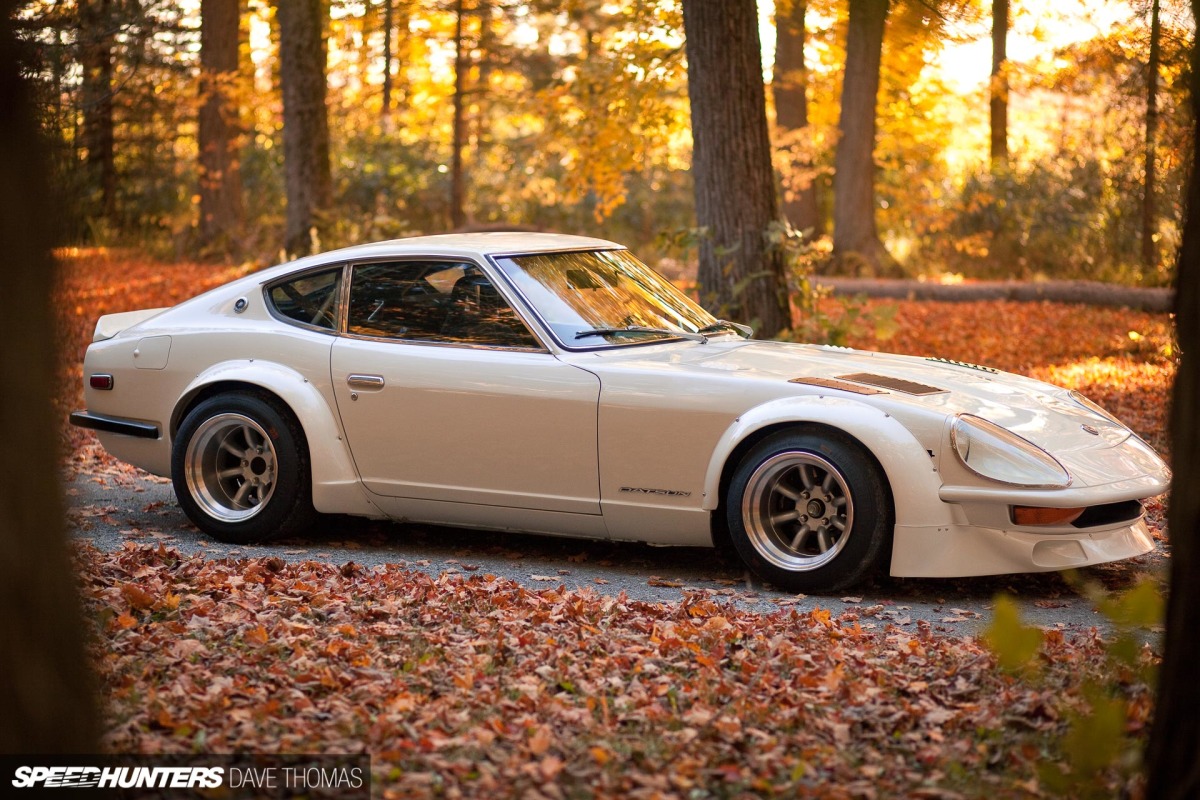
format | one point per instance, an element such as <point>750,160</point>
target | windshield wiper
<point>636,329</point>
<point>745,331</point>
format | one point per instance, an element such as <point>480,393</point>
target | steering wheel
<point>324,314</point>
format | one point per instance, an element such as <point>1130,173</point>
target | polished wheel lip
<point>230,467</point>
<point>798,511</point>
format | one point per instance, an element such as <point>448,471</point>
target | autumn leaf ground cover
<point>468,686</point>
<point>477,687</point>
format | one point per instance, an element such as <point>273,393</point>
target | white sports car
<point>554,384</point>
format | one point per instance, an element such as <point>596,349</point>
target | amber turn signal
<point>1036,515</point>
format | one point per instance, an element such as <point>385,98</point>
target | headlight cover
<point>998,454</point>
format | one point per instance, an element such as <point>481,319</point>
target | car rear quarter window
<point>311,299</point>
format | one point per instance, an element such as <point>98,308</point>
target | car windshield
<point>604,296</point>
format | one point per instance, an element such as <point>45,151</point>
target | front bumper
<point>956,551</point>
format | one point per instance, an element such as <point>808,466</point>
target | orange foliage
<point>477,687</point>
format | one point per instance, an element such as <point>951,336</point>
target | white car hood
<point>1042,413</point>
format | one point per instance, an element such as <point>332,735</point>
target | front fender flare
<point>911,471</point>
<point>335,484</point>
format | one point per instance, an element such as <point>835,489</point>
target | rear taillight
<point>100,381</point>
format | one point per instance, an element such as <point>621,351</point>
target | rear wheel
<point>810,512</point>
<point>240,469</point>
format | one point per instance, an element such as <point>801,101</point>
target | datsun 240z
<point>554,384</point>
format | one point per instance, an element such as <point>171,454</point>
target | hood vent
<point>964,364</point>
<point>895,384</point>
<point>834,383</point>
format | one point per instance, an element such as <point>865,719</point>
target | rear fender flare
<point>336,487</point>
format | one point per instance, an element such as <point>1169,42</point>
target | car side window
<point>433,301</point>
<point>311,299</point>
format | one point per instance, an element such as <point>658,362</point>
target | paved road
<point>114,508</point>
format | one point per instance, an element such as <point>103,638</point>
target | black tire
<point>810,511</point>
<point>240,469</point>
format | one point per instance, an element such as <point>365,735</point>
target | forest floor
<point>461,683</point>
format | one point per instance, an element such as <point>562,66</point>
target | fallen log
<point>1092,293</point>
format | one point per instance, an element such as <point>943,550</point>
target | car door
<point>445,394</point>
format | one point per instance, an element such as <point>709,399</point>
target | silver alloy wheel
<point>230,467</point>
<point>798,511</point>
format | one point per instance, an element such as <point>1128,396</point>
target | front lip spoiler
<point>127,427</point>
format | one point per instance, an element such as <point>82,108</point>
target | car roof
<point>459,245</point>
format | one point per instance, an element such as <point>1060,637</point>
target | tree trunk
<point>789,85</point>
<point>731,163</point>
<point>307,178</point>
<point>1149,216</point>
<point>389,23</point>
<point>96,95</point>
<point>999,86</point>
<point>57,66</point>
<point>856,244</point>
<point>45,683</point>
<point>221,208</point>
<point>1173,752</point>
<point>486,43</point>
<point>458,217</point>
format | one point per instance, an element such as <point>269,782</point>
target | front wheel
<point>240,469</point>
<point>810,512</point>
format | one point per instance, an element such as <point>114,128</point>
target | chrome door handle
<point>364,381</point>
